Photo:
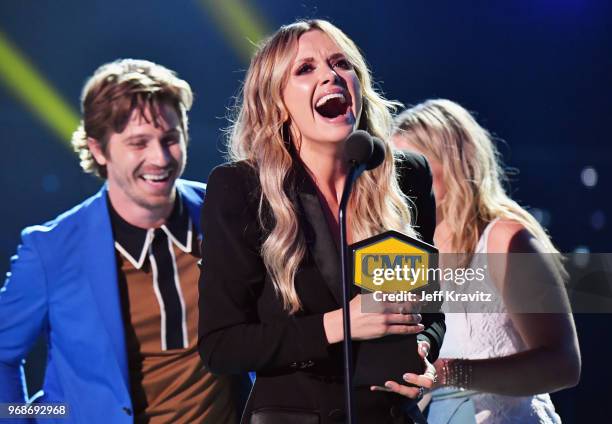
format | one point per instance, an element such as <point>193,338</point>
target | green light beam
<point>240,24</point>
<point>29,87</point>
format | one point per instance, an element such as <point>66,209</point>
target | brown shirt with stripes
<point>158,279</point>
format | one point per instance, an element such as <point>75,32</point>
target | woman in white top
<point>498,367</point>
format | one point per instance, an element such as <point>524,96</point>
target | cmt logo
<point>373,261</point>
<point>392,262</point>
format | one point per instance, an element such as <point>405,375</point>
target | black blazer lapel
<point>319,240</point>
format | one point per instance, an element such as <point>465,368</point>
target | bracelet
<point>456,373</point>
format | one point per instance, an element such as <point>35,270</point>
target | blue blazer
<point>63,282</point>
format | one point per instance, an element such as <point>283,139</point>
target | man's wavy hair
<point>111,95</point>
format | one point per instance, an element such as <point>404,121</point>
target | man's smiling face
<point>144,161</point>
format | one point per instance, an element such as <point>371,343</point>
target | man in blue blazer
<point>112,283</point>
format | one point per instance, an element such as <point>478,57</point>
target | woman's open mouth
<point>334,107</point>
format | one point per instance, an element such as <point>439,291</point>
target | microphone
<point>358,148</point>
<point>378,154</point>
<point>362,152</point>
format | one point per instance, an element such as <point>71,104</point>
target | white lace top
<point>490,335</point>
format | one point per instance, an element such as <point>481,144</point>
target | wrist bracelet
<point>456,373</point>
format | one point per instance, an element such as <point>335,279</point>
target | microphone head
<point>378,153</point>
<point>358,147</point>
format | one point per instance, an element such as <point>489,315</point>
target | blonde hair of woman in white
<point>506,362</point>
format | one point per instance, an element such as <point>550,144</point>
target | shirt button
<point>127,410</point>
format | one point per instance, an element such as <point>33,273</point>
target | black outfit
<point>243,326</point>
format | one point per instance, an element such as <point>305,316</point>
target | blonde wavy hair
<point>472,173</point>
<point>260,136</point>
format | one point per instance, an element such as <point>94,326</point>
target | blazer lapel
<point>318,236</point>
<point>100,267</point>
<point>193,201</point>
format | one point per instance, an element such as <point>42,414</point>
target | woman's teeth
<point>328,97</point>
<point>332,105</point>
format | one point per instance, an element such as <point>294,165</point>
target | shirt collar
<point>133,242</point>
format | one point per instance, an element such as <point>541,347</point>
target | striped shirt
<point>158,280</point>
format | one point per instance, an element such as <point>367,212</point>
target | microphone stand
<point>347,343</point>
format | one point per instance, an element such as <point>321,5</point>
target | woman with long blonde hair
<point>500,365</point>
<point>270,283</point>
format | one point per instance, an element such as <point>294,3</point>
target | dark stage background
<point>538,74</point>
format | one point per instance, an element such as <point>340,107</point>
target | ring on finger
<point>431,375</point>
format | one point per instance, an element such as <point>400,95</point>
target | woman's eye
<point>305,68</point>
<point>343,63</point>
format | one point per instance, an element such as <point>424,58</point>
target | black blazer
<point>243,326</point>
